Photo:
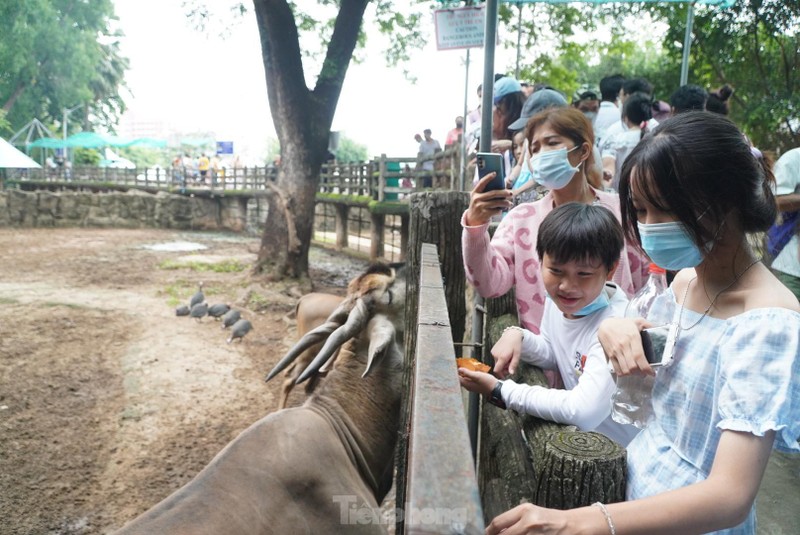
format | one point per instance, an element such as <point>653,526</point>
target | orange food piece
<point>473,365</point>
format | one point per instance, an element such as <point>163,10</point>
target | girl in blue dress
<point>691,192</point>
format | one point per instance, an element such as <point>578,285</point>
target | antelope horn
<point>353,325</point>
<point>334,321</point>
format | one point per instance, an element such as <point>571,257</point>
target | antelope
<point>302,469</point>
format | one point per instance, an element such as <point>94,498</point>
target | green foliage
<point>56,54</point>
<point>349,151</point>
<point>753,46</point>
<point>5,126</point>
<point>223,266</point>
<point>146,156</point>
<point>81,156</point>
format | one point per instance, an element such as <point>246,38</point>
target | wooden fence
<point>382,179</point>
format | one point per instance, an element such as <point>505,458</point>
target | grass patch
<point>180,291</point>
<point>225,266</point>
<point>8,301</point>
<point>257,302</point>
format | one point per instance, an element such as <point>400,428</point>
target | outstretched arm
<point>721,501</point>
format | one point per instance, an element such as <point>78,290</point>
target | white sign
<point>459,28</point>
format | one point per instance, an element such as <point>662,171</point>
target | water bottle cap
<point>655,269</point>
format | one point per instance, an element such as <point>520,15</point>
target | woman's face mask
<point>669,245</point>
<point>552,169</point>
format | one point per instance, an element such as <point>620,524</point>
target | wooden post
<point>381,177</point>
<point>342,211</point>
<point>403,237</point>
<point>376,246</point>
<point>434,218</point>
<point>578,469</point>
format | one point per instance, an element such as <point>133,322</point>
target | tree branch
<point>14,96</point>
<point>340,51</point>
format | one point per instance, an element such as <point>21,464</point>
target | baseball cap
<point>538,101</point>
<point>505,86</point>
<point>584,92</point>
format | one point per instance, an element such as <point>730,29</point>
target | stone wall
<point>132,209</point>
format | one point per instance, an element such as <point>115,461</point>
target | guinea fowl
<point>198,297</point>
<point>230,317</point>
<point>182,310</point>
<point>216,311</point>
<point>199,310</point>
<point>239,329</point>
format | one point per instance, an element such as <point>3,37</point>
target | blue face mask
<point>669,245</point>
<point>524,177</point>
<point>598,304</point>
<point>552,169</point>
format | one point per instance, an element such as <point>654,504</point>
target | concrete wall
<point>133,209</point>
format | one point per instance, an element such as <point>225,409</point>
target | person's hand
<point>528,519</point>
<point>506,353</point>
<point>483,205</point>
<point>622,342</point>
<point>501,145</point>
<point>478,382</point>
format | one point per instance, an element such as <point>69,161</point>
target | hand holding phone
<point>491,162</point>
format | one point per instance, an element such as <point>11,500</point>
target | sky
<point>186,81</point>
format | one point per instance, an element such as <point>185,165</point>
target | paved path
<point>778,502</point>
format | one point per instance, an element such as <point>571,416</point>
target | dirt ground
<point>108,400</point>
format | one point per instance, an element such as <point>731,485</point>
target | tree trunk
<point>302,120</point>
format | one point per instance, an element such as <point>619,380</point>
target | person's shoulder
<point>608,199</point>
<point>771,293</point>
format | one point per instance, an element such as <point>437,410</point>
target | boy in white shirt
<point>579,246</point>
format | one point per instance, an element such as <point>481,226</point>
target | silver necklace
<point>713,301</point>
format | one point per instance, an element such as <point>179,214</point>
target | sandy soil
<point>108,400</point>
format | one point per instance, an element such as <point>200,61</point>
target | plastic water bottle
<point>632,399</point>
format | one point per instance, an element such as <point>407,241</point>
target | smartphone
<point>658,344</point>
<point>491,162</point>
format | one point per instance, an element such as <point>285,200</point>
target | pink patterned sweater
<point>510,258</point>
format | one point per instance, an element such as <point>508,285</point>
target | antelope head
<point>378,295</point>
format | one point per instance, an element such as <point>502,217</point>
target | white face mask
<point>591,115</point>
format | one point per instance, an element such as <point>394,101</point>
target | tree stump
<point>580,468</point>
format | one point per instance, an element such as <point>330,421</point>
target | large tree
<point>302,115</point>
<point>56,54</point>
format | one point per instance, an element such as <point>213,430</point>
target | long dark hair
<point>698,166</point>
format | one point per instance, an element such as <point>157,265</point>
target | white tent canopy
<point>12,158</point>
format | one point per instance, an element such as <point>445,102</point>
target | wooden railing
<point>382,179</point>
<point>441,488</point>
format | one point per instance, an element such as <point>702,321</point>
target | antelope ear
<point>381,337</point>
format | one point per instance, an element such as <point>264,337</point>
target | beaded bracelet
<point>610,522</point>
<point>514,328</point>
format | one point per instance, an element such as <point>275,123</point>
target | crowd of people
<point>598,189</point>
<point>201,169</point>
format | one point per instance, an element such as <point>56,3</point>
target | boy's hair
<point>578,231</point>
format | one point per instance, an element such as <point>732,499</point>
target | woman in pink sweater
<point>560,141</point>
